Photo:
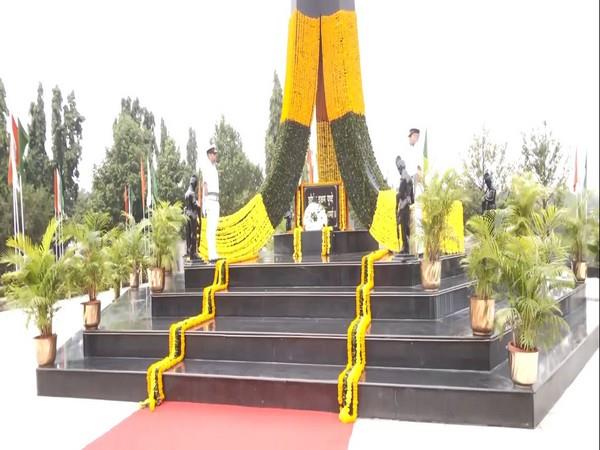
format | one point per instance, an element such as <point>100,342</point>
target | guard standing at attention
<point>210,202</point>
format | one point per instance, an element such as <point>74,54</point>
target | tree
<point>483,156</point>
<point>191,159</point>
<point>38,208</point>
<point>3,135</point>
<point>164,134</point>
<point>73,131</point>
<point>37,170</point>
<point>58,132</point>
<point>5,194</point>
<point>275,106</point>
<point>191,156</point>
<point>144,118</point>
<point>239,179</point>
<point>121,167</point>
<point>170,169</point>
<point>542,155</point>
<point>83,206</point>
<point>37,202</point>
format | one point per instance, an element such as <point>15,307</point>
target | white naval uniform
<point>210,203</point>
<point>413,158</point>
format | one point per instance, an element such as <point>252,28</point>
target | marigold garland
<point>341,60</point>
<point>356,342</point>
<point>329,171</point>
<point>154,374</point>
<point>323,68</point>
<point>302,69</point>
<point>384,228</point>
<point>298,207</point>
<point>455,244</point>
<point>326,241</point>
<point>241,235</point>
<point>298,244</point>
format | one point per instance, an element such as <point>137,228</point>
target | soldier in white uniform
<point>413,159</point>
<point>210,202</point>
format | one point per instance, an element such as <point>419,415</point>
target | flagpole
<point>56,237</point>
<point>15,215</point>
<point>60,235</point>
<point>21,196</point>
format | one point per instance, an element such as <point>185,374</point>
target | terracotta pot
<point>482,316</point>
<point>91,314</point>
<point>580,271</point>
<point>431,274</point>
<point>134,279</point>
<point>45,350</point>
<point>157,279</point>
<point>523,365</point>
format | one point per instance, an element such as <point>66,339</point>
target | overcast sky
<point>449,66</point>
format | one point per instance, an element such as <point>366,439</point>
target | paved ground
<point>28,421</point>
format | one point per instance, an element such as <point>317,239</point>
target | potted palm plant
<point>579,226</point>
<point>86,259</point>
<point>436,202</point>
<point>117,262</point>
<point>165,225</point>
<point>36,285</point>
<point>135,243</point>
<point>533,268</point>
<point>482,265</point>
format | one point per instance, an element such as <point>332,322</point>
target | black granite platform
<point>283,345</point>
<point>451,396</point>
<point>410,302</point>
<point>342,242</point>
<point>340,271</point>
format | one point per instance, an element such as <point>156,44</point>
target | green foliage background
<point>239,179</point>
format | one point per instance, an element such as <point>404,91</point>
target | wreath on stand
<point>315,217</point>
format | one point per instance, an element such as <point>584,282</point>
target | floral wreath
<point>315,217</point>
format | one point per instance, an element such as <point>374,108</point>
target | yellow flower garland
<point>329,172</point>
<point>302,68</point>
<point>298,244</point>
<point>341,64</point>
<point>154,374</point>
<point>298,207</point>
<point>326,241</point>
<point>356,343</point>
<point>455,244</point>
<point>343,209</point>
<point>241,235</point>
<point>384,228</point>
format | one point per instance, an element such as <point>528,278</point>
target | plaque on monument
<point>325,195</point>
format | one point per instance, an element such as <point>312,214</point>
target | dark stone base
<point>341,242</point>
<point>279,345</point>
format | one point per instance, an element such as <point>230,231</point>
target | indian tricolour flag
<point>14,159</point>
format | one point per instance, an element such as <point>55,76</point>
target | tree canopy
<point>239,179</point>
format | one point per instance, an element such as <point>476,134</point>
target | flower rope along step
<point>357,356</point>
<point>326,241</point>
<point>298,244</point>
<point>154,376</point>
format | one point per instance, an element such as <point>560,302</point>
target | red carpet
<point>218,427</point>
